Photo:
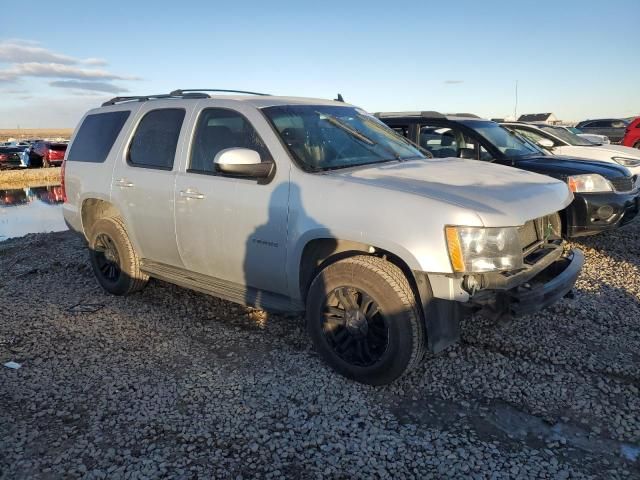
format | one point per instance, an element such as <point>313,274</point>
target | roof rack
<point>466,115</point>
<point>424,114</point>
<point>182,93</point>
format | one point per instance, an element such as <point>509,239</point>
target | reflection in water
<point>30,210</point>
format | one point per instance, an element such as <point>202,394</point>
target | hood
<point>618,150</point>
<point>499,195</point>
<point>560,166</point>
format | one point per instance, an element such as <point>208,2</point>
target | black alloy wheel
<point>354,326</point>
<point>107,258</point>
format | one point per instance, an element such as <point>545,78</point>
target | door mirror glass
<point>242,162</point>
<point>468,153</point>
<point>545,143</point>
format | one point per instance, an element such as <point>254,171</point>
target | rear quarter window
<point>96,136</point>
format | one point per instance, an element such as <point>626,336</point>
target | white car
<point>592,137</point>
<point>560,141</point>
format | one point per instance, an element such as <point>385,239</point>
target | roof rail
<point>180,92</point>
<point>466,115</point>
<point>184,93</point>
<point>424,114</point>
<point>144,98</point>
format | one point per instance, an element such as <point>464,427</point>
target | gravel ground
<point>173,383</point>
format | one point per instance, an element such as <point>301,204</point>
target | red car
<point>46,154</point>
<point>632,134</point>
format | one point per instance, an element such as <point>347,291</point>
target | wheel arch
<point>93,209</point>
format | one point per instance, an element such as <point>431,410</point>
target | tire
<point>637,145</point>
<point>113,258</point>
<point>353,343</point>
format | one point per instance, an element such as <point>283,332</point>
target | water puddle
<point>30,210</point>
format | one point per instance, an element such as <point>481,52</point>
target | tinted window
<point>96,136</point>
<point>217,130</point>
<point>444,142</point>
<point>156,139</point>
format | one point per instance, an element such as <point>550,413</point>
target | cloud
<point>453,82</point>
<point>92,86</point>
<point>14,91</point>
<point>58,70</point>
<point>14,51</point>
<point>21,51</point>
<point>96,62</point>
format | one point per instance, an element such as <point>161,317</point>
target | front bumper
<point>533,289</point>
<point>585,214</point>
<point>549,286</point>
<point>536,287</point>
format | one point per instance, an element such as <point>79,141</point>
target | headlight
<point>591,182</point>
<point>627,162</point>
<point>478,249</point>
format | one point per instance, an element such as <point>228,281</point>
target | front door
<point>231,228</point>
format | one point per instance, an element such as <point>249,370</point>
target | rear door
<point>231,228</point>
<point>144,178</point>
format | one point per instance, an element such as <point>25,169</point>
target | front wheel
<point>113,258</point>
<point>363,320</point>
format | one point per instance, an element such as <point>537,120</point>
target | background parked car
<point>559,141</point>
<point>592,137</point>
<point>614,128</point>
<point>605,194</point>
<point>632,134</point>
<point>14,156</point>
<point>46,154</point>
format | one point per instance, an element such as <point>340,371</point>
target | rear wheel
<point>363,320</point>
<point>113,258</point>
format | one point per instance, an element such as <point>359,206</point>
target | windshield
<point>566,136</point>
<point>324,137</point>
<point>510,144</point>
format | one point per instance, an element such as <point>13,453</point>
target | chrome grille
<point>624,184</point>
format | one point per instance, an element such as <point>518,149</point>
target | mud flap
<point>441,317</point>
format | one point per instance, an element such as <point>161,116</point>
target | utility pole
<point>515,108</point>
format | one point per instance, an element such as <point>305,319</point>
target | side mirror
<point>545,143</point>
<point>468,153</point>
<point>242,162</point>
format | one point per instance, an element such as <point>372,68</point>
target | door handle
<point>191,194</point>
<point>123,182</point>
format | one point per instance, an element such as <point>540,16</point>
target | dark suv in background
<point>605,195</point>
<point>614,128</point>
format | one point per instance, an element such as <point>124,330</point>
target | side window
<point>445,142</point>
<point>218,129</point>
<point>618,124</point>
<point>156,139</point>
<point>96,136</point>
<point>440,141</point>
<point>533,136</point>
<point>404,131</point>
<point>601,124</point>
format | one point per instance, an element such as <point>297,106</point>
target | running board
<point>221,288</point>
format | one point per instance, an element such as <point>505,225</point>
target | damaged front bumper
<point>549,275</point>
<point>544,282</point>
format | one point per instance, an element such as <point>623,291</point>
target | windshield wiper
<point>350,130</point>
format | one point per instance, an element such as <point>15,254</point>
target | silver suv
<point>306,205</point>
